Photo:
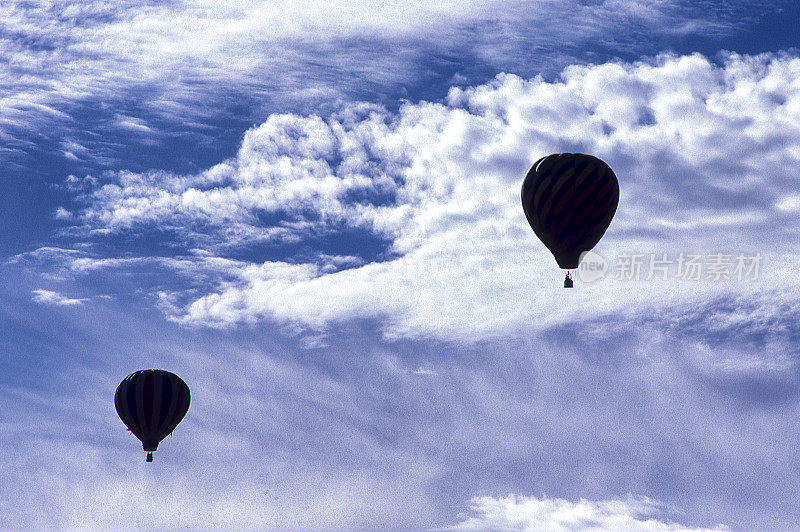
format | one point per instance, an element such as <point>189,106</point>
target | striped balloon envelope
<point>151,403</point>
<point>569,200</point>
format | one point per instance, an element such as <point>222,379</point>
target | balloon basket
<point>149,457</point>
<point>568,281</point>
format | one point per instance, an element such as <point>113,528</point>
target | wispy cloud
<point>48,297</point>
<point>690,406</point>
<point>92,76</point>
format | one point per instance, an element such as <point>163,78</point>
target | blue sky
<point>310,212</point>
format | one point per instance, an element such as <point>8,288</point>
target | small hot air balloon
<point>151,403</point>
<point>569,200</point>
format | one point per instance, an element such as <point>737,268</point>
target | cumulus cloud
<point>533,514</point>
<point>703,152</point>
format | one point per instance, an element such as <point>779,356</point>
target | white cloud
<point>371,434</point>
<point>144,64</point>
<point>48,297</point>
<point>63,214</point>
<point>534,514</point>
<point>790,203</point>
<point>702,153</point>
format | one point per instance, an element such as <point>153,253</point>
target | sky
<point>310,211</point>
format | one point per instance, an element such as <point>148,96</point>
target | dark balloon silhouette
<point>151,403</point>
<point>569,199</point>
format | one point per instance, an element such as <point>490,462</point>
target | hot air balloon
<point>151,403</point>
<point>569,199</point>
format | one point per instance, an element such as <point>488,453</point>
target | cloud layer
<point>372,334</point>
<point>428,200</point>
<point>90,84</point>
<point>362,433</point>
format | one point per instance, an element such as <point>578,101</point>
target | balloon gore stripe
<point>569,200</point>
<point>151,403</point>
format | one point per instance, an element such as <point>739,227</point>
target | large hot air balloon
<point>569,200</point>
<point>152,402</point>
